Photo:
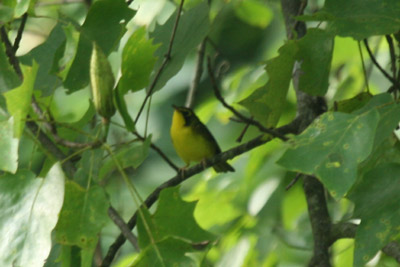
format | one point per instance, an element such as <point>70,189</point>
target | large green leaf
<point>82,217</point>
<point>19,99</point>
<point>192,29</point>
<point>315,54</point>
<point>360,18</point>
<point>44,55</point>
<point>137,62</point>
<point>8,78</point>
<point>376,201</point>
<point>8,147</point>
<point>29,208</point>
<point>102,26</point>
<point>266,104</point>
<point>173,218</point>
<point>332,147</point>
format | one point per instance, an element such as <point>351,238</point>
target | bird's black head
<point>187,114</point>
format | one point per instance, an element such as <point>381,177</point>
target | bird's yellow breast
<point>190,145</point>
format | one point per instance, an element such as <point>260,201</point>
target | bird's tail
<point>223,167</point>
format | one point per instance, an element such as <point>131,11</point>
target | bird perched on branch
<point>192,140</point>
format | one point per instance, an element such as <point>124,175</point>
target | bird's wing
<point>200,128</point>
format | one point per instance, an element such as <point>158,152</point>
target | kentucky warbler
<point>192,140</point>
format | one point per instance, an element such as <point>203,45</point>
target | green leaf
<point>8,147</point>
<point>332,147</point>
<point>389,113</point>
<point>19,99</point>
<point>360,18</point>
<point>123,110</point>
<point>254,13</point>
<point>137,62</point>
<point>173,218</point>
<point>376,201</point>
<point>6,14</point>
<point>29,208</point>
<point>354,103</point>
<point>172,252</point>
<point>129,156</point>
<point>315,54</point>
<point>44,55</point>
<point>83,216</point>
<point>267,103</point>
<point>21,8</point>
<point>192,29</point>
<point>102,26</point>
<point>8,78</point>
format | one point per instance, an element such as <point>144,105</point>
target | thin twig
<point>198,72</point>
<point>167,58</point>
<point>182,176</point>
<point>53,130</point>
<point>234,111</point>
<point>294,181</point>
<point>363,66</point>
<point>116,218</point>
<point>240,137</point>
<point>19,33</point>
<point>160,152</point>
<point>387,75</point>
<point>392,55</point>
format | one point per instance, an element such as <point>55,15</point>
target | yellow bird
<point>192,140</point>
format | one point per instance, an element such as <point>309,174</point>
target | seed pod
<point>102,83</point>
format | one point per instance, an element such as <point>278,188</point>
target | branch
<point>160,152</point>
<point>309,108</point>
<point>20,31</point>
<point>392,55</point>
<point>373,59</point>
<point>182,176</point>
<point>167,58</point>
<point>320,221</point>
<point>234,111</point>
<point>123,227</point>
<point>53,131</point>
<point>198,72</point>
<point>10,52</point>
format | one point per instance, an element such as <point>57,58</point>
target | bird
<point>192,140</point>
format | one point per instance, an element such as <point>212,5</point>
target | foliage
<point>318,101</point>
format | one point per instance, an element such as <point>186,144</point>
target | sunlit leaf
<point>82,217</point>
<point>30,208</point>
<point>254,13</point>
<point>19,99</point>
<point>8,147</point>
<point>332,147</point>
<point>137,62</point>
